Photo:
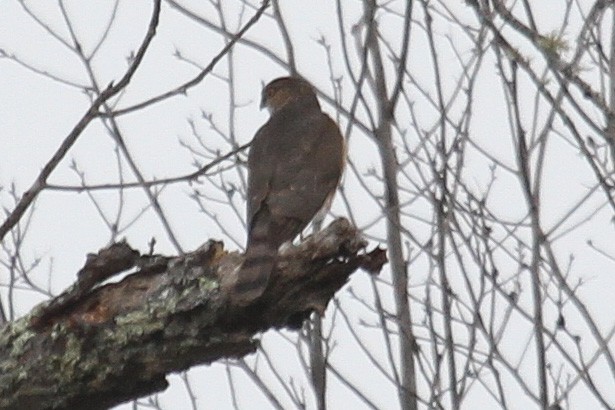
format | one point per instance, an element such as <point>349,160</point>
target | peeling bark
<point>96,346</point>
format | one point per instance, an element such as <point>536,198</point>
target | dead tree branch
<point>96,346</point>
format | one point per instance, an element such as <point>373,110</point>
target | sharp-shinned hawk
<point>294,166</point>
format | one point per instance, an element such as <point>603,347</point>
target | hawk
<point>294,166</point>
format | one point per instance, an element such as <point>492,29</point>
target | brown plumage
<point>294,166</point>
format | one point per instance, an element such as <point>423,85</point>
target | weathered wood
<point>95,347</point>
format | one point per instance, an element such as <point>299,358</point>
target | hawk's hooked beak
<point>263,101</point>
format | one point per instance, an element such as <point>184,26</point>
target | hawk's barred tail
<point>260,258</point>
<point>254,272</point>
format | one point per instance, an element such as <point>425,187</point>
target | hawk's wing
<point>260,170</point>
<point>295,164</point>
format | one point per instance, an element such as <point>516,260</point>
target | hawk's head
<point>286,90</point>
